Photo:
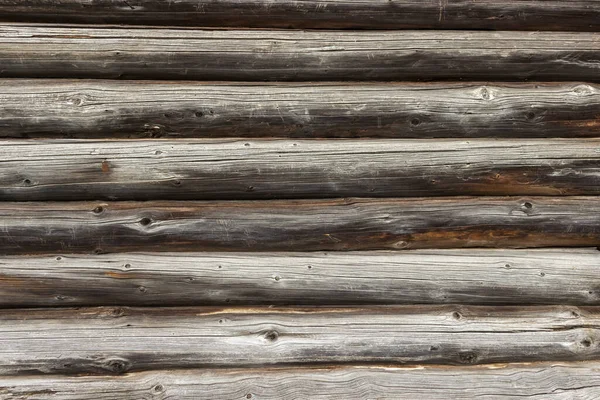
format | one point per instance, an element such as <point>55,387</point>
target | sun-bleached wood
<point>331,14</point>
<point>476,276</point>
<point>223,169</point>
<point>145,109</point>
<point>34,51</point>
<point>299,225</point>
<point>554,381</point>
<point>119,340</point>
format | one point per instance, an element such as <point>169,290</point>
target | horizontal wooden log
<point>118,340</point>
<point>556,381</point>
<point>96,109</point>
<point>213,169</point>
<point>344,224</point>
<point>80,52</point>
<point>373,14</point>
<point>548,276</point>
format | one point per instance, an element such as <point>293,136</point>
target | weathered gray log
<point>374,14</point>
<point>548,276</point>
<point>93,109</point>
<point>555,381</point>
<point>344,224</point>
<point>77,52</point>
<point>222,169</point>
<point>118,340</point>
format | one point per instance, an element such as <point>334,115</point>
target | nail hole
<point>249,396</point>
<point>272,336</point>
<point>27,181</point>
<point>542,274</point>
<point>198,114</point>
<point>277,277</point>
<point>456,315</point>
<point>220,321</point>
<point>528,205</point>
<point>98,251</point>
<point>127,266</point>
<point>98,209</point>
<point>507,266</point>
<point>586,342</point>
<point>58,258</point>
<point>434,348</point>
<point>415,122</point>
<point>309,267</point>
<point>247,144</point>
<point>142,289</point>
<point>158,388</point>
<point>250,189</point>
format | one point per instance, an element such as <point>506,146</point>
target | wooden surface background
<point>247,199</point>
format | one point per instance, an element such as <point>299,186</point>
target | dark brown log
<point>211,169</point>
<point>350,224</point>
<point>478,276</point>
<point>119,340</point>
<point>96,109</point>
<point>373,14</point>
<point>79,52</point>
<point>530,381</point>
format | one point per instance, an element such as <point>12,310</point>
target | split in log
<point>119,340</point>
<point>294,225</point>
<point>217,169</point>
<point>28,51</point>
<point>519,277</point>
<point>309,14</point>
<point>557,381</point>
<point>96,109</point>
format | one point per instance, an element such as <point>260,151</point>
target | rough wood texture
<point>93,109</point>
<point>77,52</point>
<point>345,224</point>
<point>213,169</point>
<point>553,276</point>
<point>118,340</point>
<point>555,381</point>
<point>372,14</point>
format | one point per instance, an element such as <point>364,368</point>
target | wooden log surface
<point>374,14</point>
<point>217,169</point>
<point>119,340</point>
<point>555,381</point>
<point>288,225</point>
<point>96,109</point>
<point>478,276</point>
<point>34,51</point>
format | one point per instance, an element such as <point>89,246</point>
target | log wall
<point>247,199</point>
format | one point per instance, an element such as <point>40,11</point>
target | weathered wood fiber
<point>549,276</point>
<point>214,169</point>
<point>344,224</point>
<point>93,109</point>
<point>373,14</point>
<point>36,51</point>
<point>118,340</point>
<point>555,381</point>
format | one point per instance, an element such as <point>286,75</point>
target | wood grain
<point>344,224</point>
<point>119,340</point>
<point>519,277</point>
<point>34,51</point>
<point>374,14</point>
<point>105,109</point>
<point>222,169</point>
<point>555,381</point>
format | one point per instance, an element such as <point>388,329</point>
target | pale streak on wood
<point>299,225</point>
<point>233,169</point>
<point>519,277</point>
<point>118,340</point>
<point>555,381</point>
<point>35,51</point>
<point>331,14</point>
<point>96,109</point>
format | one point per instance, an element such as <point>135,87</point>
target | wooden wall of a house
<point>202,200</point>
